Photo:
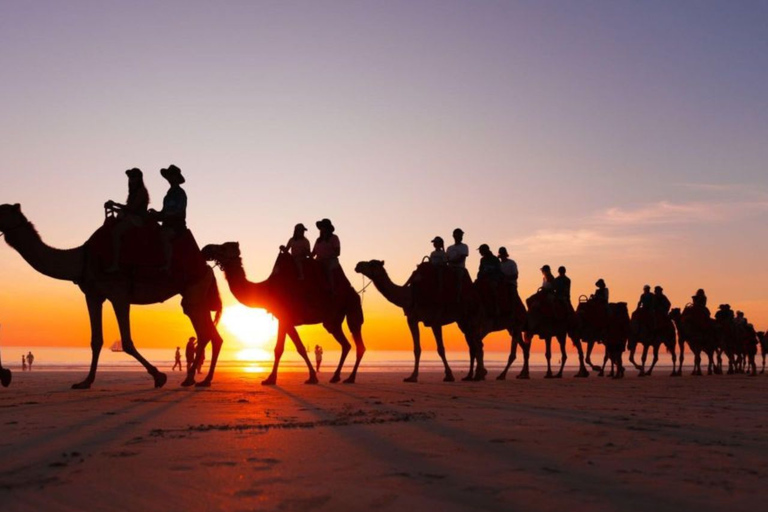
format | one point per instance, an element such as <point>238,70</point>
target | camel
<point>594,324</point>
<point>762,338</point>
<point>294,302</point>
<point>85,266</point>
<point>427,307</point>
<point>546,320</point>
<point>699,333</point>
<point>652,331</point>
<point>512,319</point>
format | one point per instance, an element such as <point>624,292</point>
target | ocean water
<point>257,360</point>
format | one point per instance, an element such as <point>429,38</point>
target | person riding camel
<point>740,320</point>
<point>327,250</point>
<point>700,301</point>
<point>647,300</point>
<point>490,266</point>
<point>298,247</point>
<point>458,252</point>
<point>129,215</point>
<point>508,268</point>
<point>562,284</point>
<point>548,280</point>
<point>661,303</point>
<point>602,294</point>
<point>438,256</point>
<point>173,216</point>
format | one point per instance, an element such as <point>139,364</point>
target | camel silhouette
<point>593,324</point>
<point>85,266</point>
<point>763,340</point>
<point>699,332</point>
<point>294,302</point>
<point>547,319</point>
<point>425,302</point>
<point>652,329</point>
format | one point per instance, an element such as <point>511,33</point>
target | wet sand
<point>638,444</point>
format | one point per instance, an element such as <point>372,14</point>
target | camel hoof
<point>676,374</point>
<point>502,376</point>
<point>558,376</point>
<point>269,381</point>
<point>412,378</point>
<point>312,379</point>
<point>523,376</point>
<point>336,378</point>
<point>596,368</point>
<point>449,378</point>
<point>469,377</point>
<point>548,376</point>
<point>189,381</point>
<point>480,375</point>
<point>86,384</point>
<point>160,379</point>
<point>203,384</point>
<point>349,380</point>
<point>582,375</point>
<point>5,377</point>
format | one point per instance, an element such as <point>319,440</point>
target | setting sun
<point>254,328</point>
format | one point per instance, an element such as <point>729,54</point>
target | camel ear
<point>17,207</point>
<point>382,263</point>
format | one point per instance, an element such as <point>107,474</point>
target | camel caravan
<point>143,256</point>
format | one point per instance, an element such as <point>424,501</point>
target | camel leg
<point>655,359</point>
<point>357,336</point>
<point>681,346</point>
<point>296,339</point>
<point>582,368</point>
<point>674,362</point>
<point>643,358</point>
<point>338,334</point>
<point>123,314</point>
<point>590,347</point>
<point>206,332</point>
<point>95,307</point>
<point>471,374</point>
<point>548,355</point>
<point>438,332</point>
<point>563,355</point>
<point>512,355</point>
<point>526,346</point>
<point>480,372</point>
<point>279,349</point>
<point>763,370</point>
<point>632,350</point>
<point>413,326</point>
<point>606,357</point>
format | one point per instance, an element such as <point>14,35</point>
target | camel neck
<point>398,295</point>
<point>67,264</point>
<point>251,294</point>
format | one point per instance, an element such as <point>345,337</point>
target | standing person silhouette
<point>189,352</point>
<point>327,250</point>
<point>174,213</point>
<point>23,363</point>
<point>318,357</point>
<point>178,359</point>
<point>30,360</point>
<point>129,215</point>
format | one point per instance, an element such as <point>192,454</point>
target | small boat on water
<point>117,346</point>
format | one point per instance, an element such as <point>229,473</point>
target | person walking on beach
<point>189,352</point>
<point>30,360</point>
<point>23,363</point>
<point>318,357</point>
<point>178,359</point>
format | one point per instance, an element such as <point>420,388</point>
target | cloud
<point>575,241</point>
<point>665,212</point>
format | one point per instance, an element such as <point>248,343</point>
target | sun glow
<point>254,328</point>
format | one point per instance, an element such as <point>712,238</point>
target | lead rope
<point>361,292</point>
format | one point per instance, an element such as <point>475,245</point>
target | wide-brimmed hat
<point>438,239</point>
<point>600,282</point>
<point>503,251</point>
<point>299,226</point>
<point>134,173</point>
<point>658,289</point>
<point>325,223</point>
<point>172,172</point>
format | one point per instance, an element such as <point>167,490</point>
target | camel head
<point>11,217</point>
<point>223,254</point>
<point>371,269</point>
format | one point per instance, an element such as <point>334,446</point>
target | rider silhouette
<point>129,215</point>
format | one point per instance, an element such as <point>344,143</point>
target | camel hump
<point>143,252</point>
<point>440,286</point>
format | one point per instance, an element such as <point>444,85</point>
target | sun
<point>254,328</point>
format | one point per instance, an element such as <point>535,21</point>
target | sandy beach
<point>594,444</point>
